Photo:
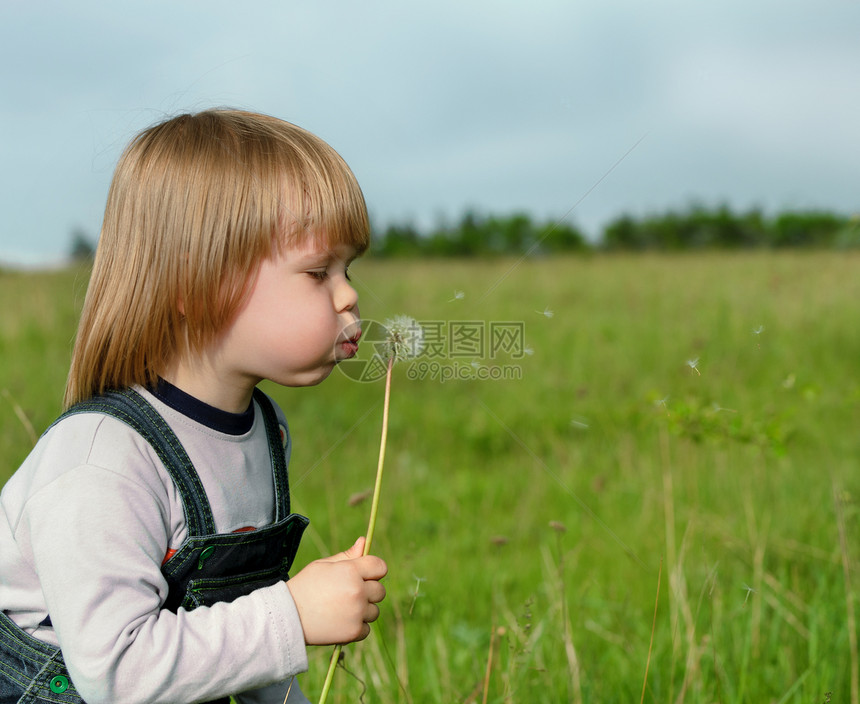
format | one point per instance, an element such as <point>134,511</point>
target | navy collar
<point>197,410</point>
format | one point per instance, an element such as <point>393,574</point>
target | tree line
<point>695,228</point>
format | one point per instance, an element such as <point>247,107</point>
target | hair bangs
<point>322,202</point>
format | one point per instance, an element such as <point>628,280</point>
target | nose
<point>346,297</point>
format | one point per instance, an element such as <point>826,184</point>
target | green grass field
<point>685,421</point>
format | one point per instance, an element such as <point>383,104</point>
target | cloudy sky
<point>583,109</point>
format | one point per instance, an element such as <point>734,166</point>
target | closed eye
<point>322,274</point>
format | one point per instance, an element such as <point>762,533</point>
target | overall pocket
<point>206,591</point>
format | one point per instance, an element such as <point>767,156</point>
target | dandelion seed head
<point>404,338</point>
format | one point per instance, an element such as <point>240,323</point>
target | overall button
<point>205,554</point>
<point>59,684</point>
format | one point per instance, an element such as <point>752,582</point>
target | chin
<point>318,376</point>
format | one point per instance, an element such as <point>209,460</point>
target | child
<point>145,542</point>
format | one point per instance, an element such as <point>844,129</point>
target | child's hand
<point>336,597</point>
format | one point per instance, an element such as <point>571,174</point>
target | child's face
<point>300,319</point>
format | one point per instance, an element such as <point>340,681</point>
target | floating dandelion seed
<point>694,365</point>
<point>546,313</point>
<point>417,592</point>
<point>404,339</point>
<point>758,331</point>
<point>529,351</point>
<point>458,296</point>
<point>579,422</point>
<point>662,402</point>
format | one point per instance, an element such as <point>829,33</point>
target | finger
<point>371,613</point>
<point>350,553</point>
<point>375,592</point>
<point>357,549</point>
<point>371,567</point>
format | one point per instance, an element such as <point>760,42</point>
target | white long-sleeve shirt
<point>85,524</point>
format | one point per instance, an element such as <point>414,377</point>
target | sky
<point>581,110</point>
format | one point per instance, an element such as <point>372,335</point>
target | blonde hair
<point>196,204</point>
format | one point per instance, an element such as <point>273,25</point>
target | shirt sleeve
<point>97,539</point>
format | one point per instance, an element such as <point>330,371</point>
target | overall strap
<point>276,452</point>
<point>134,410</point>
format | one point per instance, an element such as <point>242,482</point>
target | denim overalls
<point>207,568</point>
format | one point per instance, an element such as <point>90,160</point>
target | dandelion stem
<point>329,676</point>
<point>371,526</point>
<point>377,489</point>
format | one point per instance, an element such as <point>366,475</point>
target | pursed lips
<point>349,346</point>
